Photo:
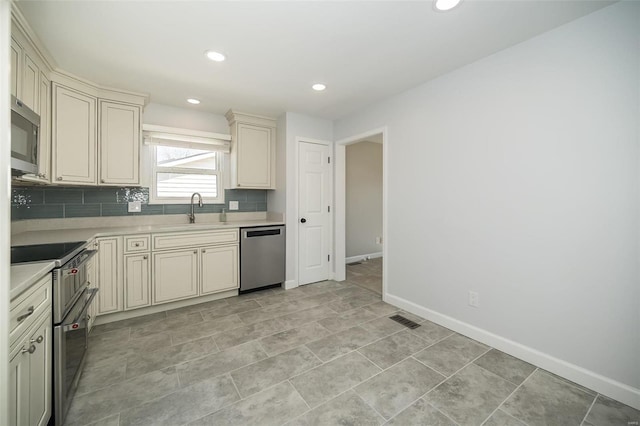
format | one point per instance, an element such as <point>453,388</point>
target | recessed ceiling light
<point>444,5</point>
<point>193,101</point>
<point>215,56</point>
<point>318,87</point>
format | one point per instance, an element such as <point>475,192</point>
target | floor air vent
<point>357,262</point>
<point>404,321</point>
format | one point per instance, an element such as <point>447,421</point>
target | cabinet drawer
<point>26,308</point>
<point>137,243</point>
<point>192,239</point>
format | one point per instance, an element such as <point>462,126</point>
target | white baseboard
<point>601,384</point>
<point>289,284</point>
<point>362,257</point>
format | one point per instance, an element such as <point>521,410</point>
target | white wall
<point>363,191</point>
<point>297,126</point>
<point>523,176</point>
<point>5,194</point>
<point>185,118</point>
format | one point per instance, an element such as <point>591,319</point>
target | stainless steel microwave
<point>25,137</point>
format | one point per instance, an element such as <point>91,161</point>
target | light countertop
<point>25,275</point>
<point>87,234</point>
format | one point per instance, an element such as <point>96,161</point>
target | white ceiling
<point>363,50</point>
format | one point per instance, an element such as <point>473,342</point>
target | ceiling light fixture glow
<point>318,87</point>
<point>215,56</point>
<point>444,5</point>
<point>193,101</point>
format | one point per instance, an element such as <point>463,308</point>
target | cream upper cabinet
<point>109,273</point>
<point>119,143</point>
<point>102,128</point>
<point>30,83</point>
<point>175,275</point>
<point>44,149</point>
<point>73,136</point>
<point>219,269</point>
<point>16,68</point>
<point>253,153</point>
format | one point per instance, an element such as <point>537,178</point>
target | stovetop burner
<point>59,252</point>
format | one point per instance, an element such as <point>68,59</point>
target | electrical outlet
<point>233,205</point>
<point>474,299</point>
<point>134,207</point>
<point>378,240</point>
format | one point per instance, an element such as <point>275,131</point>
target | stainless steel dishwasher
<point>262,257</point>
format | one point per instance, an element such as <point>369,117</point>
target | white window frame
<point>222,159</point>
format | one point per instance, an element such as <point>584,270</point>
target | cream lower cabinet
<point>219,268</point>
<point>137,278</point>
<point>92,279</point>
<point>175,275</point>
<point>30,376</point>
<point>109,273</point>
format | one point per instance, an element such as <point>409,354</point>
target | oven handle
<point>84,257</point>
<point>92,293</point>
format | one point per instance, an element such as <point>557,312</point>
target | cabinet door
<point>136,281</point>
<point>92,278</point>
<point>31,84</point>
<point>175,275</point>
<point>16,68</point>
<point>40,373</point>
<point>44,149</point>
<point>255,145</point>
<point>73,136</point>
<point>109,276</point>
<point>119,143</point>
<point>219,266</point>
<point>19,384</point>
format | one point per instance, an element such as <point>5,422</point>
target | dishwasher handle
<point>262,233</point>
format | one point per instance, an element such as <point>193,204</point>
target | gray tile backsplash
<point>42,203</point>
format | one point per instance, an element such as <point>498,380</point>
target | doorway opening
<point>363,208</point>
<point>360,227</point>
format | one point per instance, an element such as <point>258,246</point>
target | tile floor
<point>367,274</point>
<point>322,354</point>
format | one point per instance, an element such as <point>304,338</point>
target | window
<point>178,172</point>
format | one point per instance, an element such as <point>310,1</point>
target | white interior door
<point>314,197</point>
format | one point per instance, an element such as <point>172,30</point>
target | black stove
<point>61,253</point>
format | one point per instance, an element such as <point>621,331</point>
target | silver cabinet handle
<point>26,314</point>
<point>31,349</point>
<point>38,339</point>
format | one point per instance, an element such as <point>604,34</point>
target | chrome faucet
<point>192,216</point>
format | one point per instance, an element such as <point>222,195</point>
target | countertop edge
<point>25,275</point>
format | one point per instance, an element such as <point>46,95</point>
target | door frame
<point>296,191</point>
<point>340,203</point>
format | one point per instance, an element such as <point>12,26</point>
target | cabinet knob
<point>44,175</point>
<point>31,349</point>
<point>195,252</point>
<point>145,257</point>
<point>59,177</point>
<point>101,180</point>
<point>137,244</point>
<point>39,339</point>
<point>204,251</point>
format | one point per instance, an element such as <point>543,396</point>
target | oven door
<point>68,284</point>
<point>70,344</point>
